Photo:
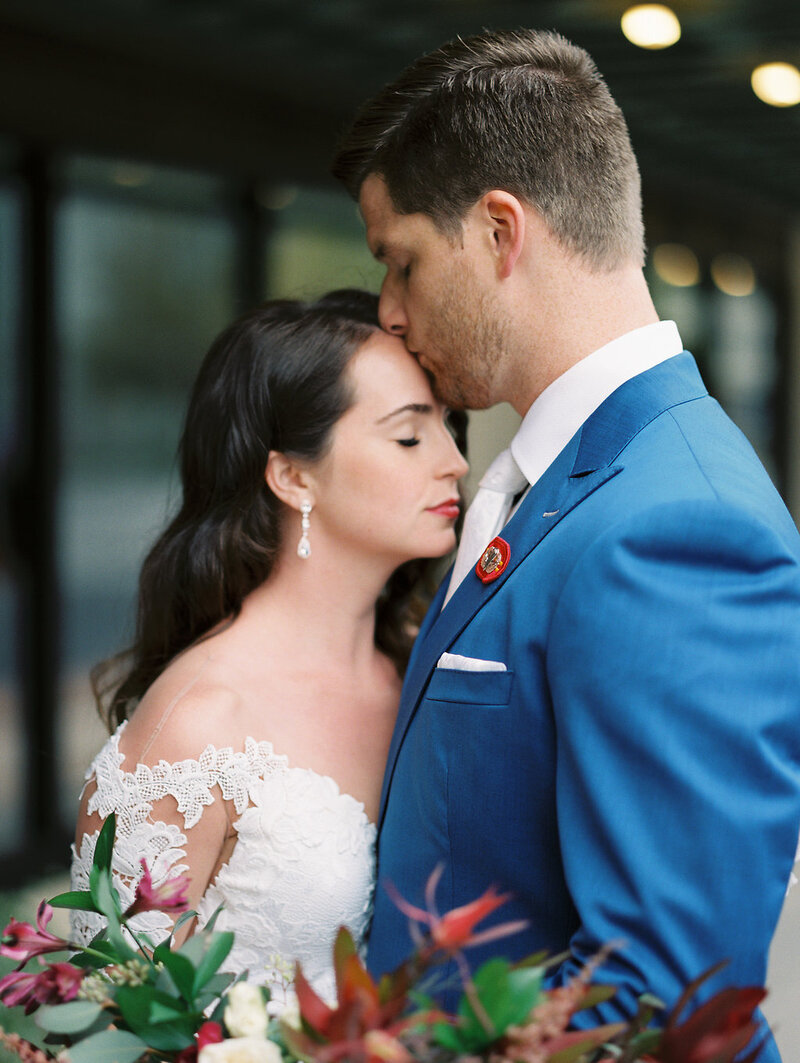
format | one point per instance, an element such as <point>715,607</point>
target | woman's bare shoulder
<point>189,707</point>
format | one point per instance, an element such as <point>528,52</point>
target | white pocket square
<point>469,664</point>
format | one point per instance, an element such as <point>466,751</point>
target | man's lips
<point>450,509</point>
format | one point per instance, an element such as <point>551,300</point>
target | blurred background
<point>163,167</point>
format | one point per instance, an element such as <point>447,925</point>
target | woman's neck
<point>323,604</point>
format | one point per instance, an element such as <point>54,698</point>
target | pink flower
<point>170,896</point>
<point>21,942</point>
<point>56,984</point>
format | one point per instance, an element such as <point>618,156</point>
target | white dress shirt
<point>561,409</point>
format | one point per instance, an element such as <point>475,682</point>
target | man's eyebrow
<point>410,407</point>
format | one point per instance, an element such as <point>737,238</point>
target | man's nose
<point>390,311</point>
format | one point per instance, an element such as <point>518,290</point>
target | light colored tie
<point>487,514</point>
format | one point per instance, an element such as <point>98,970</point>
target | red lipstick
<point>449,509</point>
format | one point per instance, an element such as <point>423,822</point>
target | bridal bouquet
<point>122,999</point>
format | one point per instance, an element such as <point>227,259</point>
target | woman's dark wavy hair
<point>273,380</point>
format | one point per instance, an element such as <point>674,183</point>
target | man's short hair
<point>525,111</point>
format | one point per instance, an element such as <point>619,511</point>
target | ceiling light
<point>777,84</point>
<point>651,26</point>
<point>733,275</point>
<point>676,264</point>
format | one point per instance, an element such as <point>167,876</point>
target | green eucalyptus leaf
<point>110,1046</point>
<point>186,916</point>
<point>182,973</point>
<point>69,1018</point>
<point>77,900</point>
<point>103,893</point>
<point>173,1036</point>
<point>220,944</point>
<point>166,1011</point>
<point>107,900</point>
<point>212,921</point>
<point>104,847</point>
<point>157,1018</point>
<point>106,950</point>
<point>212,990</point>
<point>135,1002</point>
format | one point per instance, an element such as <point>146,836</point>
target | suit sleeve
<point>674,666</point>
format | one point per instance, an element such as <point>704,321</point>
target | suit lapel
<point>584,465</point>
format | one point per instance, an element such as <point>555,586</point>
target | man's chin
<point>462,399</point>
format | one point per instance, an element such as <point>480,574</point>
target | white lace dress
<point>302,866</point>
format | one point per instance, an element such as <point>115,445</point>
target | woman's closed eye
<point>412,441</point>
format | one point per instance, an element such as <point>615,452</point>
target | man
<point>603,715</point>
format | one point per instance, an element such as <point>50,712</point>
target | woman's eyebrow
<point>410,407</point>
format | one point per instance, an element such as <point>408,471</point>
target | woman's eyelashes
<point>412,441</point>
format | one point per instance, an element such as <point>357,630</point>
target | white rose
<point>241,1050</point>
<point>291,1016</point>
<point>246,1013</point>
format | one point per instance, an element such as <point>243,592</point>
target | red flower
<point>210,1033</point>
<point>170,896</point>
<point>21,942</point>
<point>364,1024</point>
<point>454,930</point>
<point>57,984</point>
<point>717,1032</point>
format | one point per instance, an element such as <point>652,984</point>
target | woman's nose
<point>455,464</point>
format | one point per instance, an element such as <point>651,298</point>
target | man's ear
<point>288,481</point>
<point>505,216</point>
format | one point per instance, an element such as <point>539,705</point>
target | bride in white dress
<point>276,612</point>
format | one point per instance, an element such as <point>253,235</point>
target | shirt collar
<point>561,409</point>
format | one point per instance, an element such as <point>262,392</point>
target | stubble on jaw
<point>467,342</point>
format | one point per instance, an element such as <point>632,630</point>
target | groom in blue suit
<point>602,711</point>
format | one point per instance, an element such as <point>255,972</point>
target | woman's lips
<point>449,509</point>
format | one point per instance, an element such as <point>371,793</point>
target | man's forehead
<point>375,202</point>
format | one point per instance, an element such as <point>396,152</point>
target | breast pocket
<point>488,689</point>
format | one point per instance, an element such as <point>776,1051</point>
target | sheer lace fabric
<point>302,865</point>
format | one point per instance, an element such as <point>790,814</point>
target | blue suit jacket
<point>634,775</point>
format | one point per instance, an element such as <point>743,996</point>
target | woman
<point>276,615</point>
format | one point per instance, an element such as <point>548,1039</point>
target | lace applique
<point>132,794</point>
<point>302,866</point>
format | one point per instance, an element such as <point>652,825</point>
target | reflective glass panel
<point>316,243</point>
<point>145,276</point>
<point>12,780</point>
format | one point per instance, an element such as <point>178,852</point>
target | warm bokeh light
<point>651,26</point>
<point>733,274</point>
<point>676,264</point>
<point>128,175</point>
<point>777,84</point>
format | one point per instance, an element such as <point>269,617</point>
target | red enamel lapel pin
<point>494,560</point>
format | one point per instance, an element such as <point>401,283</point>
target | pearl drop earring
<point>304,546</point>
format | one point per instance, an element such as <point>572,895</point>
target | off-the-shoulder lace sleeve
<point>194,784</point>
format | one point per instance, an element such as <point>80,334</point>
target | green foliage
<point>151,1000</point>
<point>504,996</point>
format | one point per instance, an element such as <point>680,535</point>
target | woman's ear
<point>288,481</point>
<point>505,216</point>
